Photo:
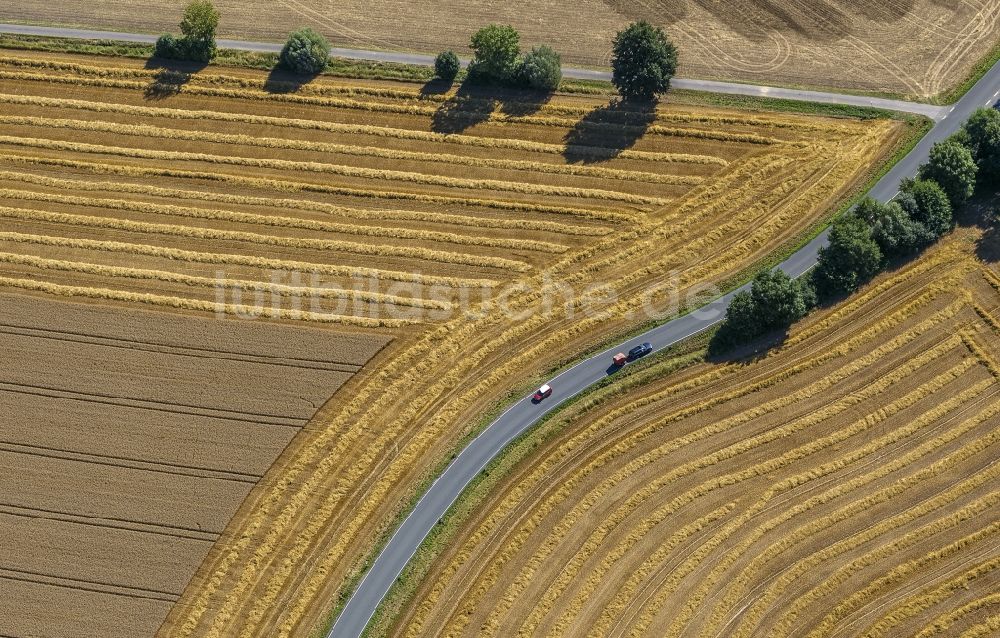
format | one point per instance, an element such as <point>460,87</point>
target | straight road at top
<point>439,497</point>
<point>732,88</point>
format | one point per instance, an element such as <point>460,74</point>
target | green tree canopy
<point>926,202</point>
<point>869,209</point>
<point>447,66</point>
<point>897,233</point>
<point>742,322</point>
<point>197,41</point>
<point>982,135</point>
<point>778,300</point>
<point>200,20</point>
<point>643,61</point>
<point>541,69</point>
<point>306,52</point>
<point>774,302</point>
<point>951,165</point>
<point>198,27</point>
<point>852,257</point>
<point>496,49</point>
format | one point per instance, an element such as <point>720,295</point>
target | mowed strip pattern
<point>844,485</point>
<point>729,188</point>
<point>128,184</point>
<point>131,438</point>
<point>136,185</point>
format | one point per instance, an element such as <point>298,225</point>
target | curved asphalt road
<point>733,88</point>
<point>523,414</point>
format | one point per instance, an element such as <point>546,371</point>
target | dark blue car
<point>640,351</point>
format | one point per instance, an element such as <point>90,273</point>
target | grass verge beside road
<point>953,94</point>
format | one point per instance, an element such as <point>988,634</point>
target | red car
<point>542,392</point>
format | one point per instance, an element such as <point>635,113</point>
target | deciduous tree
<point>447,66</point>
<point>306,52</point>
<point>496,49</point>
<point>541,69</point>
<point>982,133</point>
<point>852,257</point>
<point>643,61</point>
<point>951,165</point>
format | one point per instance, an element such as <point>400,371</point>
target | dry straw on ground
<point>127,196</point>
<point>846,480</point>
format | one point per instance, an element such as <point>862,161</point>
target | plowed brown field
<point>844,485</point>
<point>127,187</point>
<point>912,47</point>
<point>129,440</point>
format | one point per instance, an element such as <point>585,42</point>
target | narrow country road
<point>733,88</point>
<point>523,414</point>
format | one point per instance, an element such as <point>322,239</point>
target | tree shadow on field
<point>988,246</point>
<point>523,103</point>
<point>726,347</point>
<point>983,212</point>
<point>759,348</point>
<point>473,104</point>
<point>606,131</point>
<point>281,81</point>
<point>468,107</point>
<point>435,86</point>
<point>170,77</point>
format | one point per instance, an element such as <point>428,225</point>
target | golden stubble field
<point>844,485</point>
<point>369,212</point>
<point>910,47</point>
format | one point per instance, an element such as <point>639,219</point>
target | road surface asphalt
<point>435,502</point>
<point>733,88</point>
<point>523,414</point>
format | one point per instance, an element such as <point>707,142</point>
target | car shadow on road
<point>170,76</point>
<point>606,131</point>
<point>614,368</point>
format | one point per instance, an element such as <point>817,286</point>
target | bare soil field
<point>369,212</point>
<point>131,439</point>
<point>845,484</point>
<point>910,47</point>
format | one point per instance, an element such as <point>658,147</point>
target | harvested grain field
<point>376,210</point>
<point>845,484</point>
<point>131,440</point>
<point>913,47</point>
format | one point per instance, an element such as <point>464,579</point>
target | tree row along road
<point>732,88</point>
<point>443,492</point>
